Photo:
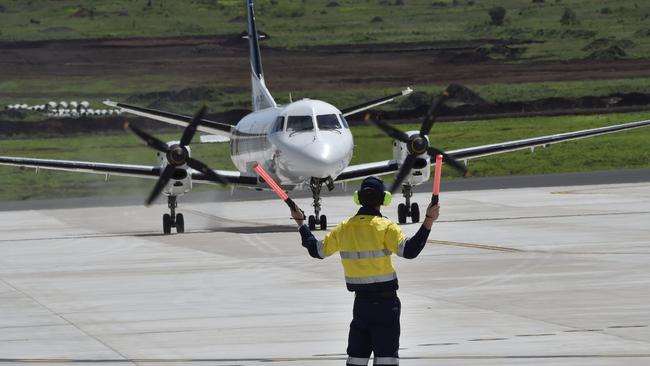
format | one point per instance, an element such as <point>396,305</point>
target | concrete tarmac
<point>527,276</point>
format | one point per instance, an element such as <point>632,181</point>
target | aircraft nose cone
<point>318,158</point>
<point>322,159</point>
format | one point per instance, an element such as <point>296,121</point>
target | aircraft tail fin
<point>260,94</point>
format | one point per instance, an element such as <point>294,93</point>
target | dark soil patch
<point>56,30</point>
<point>238,19</point>
<point>603,43</point>
<point>419,103</point>
<point>608,54</point>
<point>83,13</point>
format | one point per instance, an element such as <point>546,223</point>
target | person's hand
<point>432,214</point>
<point>298,215</point>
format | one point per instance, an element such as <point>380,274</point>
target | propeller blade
<point>447,159</point>
<point>150,140</point>
<point>203,168</point>
<point>403,172</point>
<point>190,130</point>
<point>161,183</point>
<point>390,130</point>
<point>430,117</point>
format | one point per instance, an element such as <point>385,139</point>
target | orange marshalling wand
<point>436,180</point>
<point>281,193</point>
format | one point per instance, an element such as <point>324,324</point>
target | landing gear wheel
<point>415,212</point>
<point>167,224</point>
<point>323,222</point>
<point>180,223</point>
<point>311,222</point>
<point>401,213</point>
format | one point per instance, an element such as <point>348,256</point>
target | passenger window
<point>299,123</point>
<point>344,121</point>
<point>328,122</point>
<point>279,123</point>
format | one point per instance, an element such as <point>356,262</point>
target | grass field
<point>298,23</point>
<point>615,151</point>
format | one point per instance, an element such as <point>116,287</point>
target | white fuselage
<point>302,140</point>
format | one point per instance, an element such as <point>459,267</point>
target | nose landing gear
<point>408,209</point>
<point>172,219</point>
<point>315,184</point>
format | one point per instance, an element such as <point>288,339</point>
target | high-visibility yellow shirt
<point>365,244</point>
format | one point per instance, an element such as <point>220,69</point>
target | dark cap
<point>371,192</point>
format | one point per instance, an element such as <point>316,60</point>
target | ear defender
<point>387,198</point>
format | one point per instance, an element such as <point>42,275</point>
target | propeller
<point>418,144</point>
<point>177,155</point>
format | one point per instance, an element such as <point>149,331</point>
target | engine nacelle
<point>181,181</point>
<point>421,170</point>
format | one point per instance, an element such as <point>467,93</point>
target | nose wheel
<point>321,222</point>
<point>318,220</point>
<point>408,209</point>
<point>173,219</point>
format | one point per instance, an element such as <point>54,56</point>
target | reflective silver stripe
<point>386,361</point>
<point>365,255</point>
<point>320,246</point>
<point>401,246</point>
<point>370,279</point>
<point>358,361</point>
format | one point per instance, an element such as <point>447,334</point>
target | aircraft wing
<point>390,166</point>
<point>216,128</point>
<point>374,103</point>
<point>127,170</point>
<point>485,150</point>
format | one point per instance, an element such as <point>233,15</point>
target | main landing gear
<point>408,209</point>
<point>173,219</point>
<point>315,184</point>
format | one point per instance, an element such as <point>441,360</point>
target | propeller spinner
<point>177,155</point>
<point>418,144</point>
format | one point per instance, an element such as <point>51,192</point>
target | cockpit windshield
<point>299,123</point>
<point>328,122</point>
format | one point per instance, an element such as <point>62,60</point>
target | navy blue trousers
<point>374,329</point>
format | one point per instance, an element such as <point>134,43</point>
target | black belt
<point>371,295</point>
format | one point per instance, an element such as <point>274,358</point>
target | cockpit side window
<point>328,122</point>
<point>279,124</point>
<point>299,123</point>
<point>344,121</point>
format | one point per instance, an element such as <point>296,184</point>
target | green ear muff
<point>387,198</point>
<point>356,198</point>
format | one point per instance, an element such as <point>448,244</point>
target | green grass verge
<point>615,151</point>
<point>297,23</point>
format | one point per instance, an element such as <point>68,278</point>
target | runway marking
<point>548,216</point>
<point>588,190</point>
<point>627,326</point>
<point>582,330</point>
<point>487,339</point>
<point>475,246</point>
<point>515,250</point>
<point>335,358</point>
<point>536,335</point>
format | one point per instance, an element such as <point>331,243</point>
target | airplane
<point>304,144</point>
